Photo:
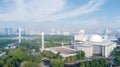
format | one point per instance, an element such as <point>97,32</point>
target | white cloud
<point>43,10</point>
<point>92,6</point>
<point>97,24</point>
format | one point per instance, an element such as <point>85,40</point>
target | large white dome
<point>96,38</point>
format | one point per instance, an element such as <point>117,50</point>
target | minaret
<point>19,34</point>
<point>20,30</point>
<point>42,41</point>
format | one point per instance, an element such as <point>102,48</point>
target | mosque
<point>91,44</point>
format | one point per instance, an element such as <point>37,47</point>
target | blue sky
<point>65,15</point>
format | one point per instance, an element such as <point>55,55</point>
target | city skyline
<point>63,15</point>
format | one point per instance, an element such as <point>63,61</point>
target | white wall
<point>109,49</point>
<point>88,50</point>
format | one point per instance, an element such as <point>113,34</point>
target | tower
<point>42,41</point>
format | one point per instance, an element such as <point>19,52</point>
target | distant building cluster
<point>12,31</point>
<point>8,31</point>
<point>57,32</point>
<point>15,31</point>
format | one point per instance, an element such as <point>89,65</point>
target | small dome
<point>80,37</point>
<point>96,38</point>
<point>81,31</point>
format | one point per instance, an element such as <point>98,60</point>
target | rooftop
<point>65,52</point>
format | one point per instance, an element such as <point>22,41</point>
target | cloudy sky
<point>65,15</point>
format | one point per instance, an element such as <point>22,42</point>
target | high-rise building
<point>106,31</point>
<point>118,34</point>
<point>10,31</point>
<point>6,31</point>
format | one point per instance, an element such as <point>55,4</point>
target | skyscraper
<point>6,31</point>
<point>10,31</point>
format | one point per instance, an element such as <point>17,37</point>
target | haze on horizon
<point>66,15</point>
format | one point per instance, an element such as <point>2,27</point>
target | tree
<point>68,59</point>
<point>116,54</point>
<point>71,59</point>
<point>82,65</point>
<point>87,64</point>
<point>36,59</point>
<point>58,56</point>
<point>1,63</point>
<point>29,64</point>
<point>95,63</point>
<point>12,62</point>
<point>48,54</point>
<point>80,55</point>
<point>57,62</point>
<point>20,54</point>
<point>14,58</point>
